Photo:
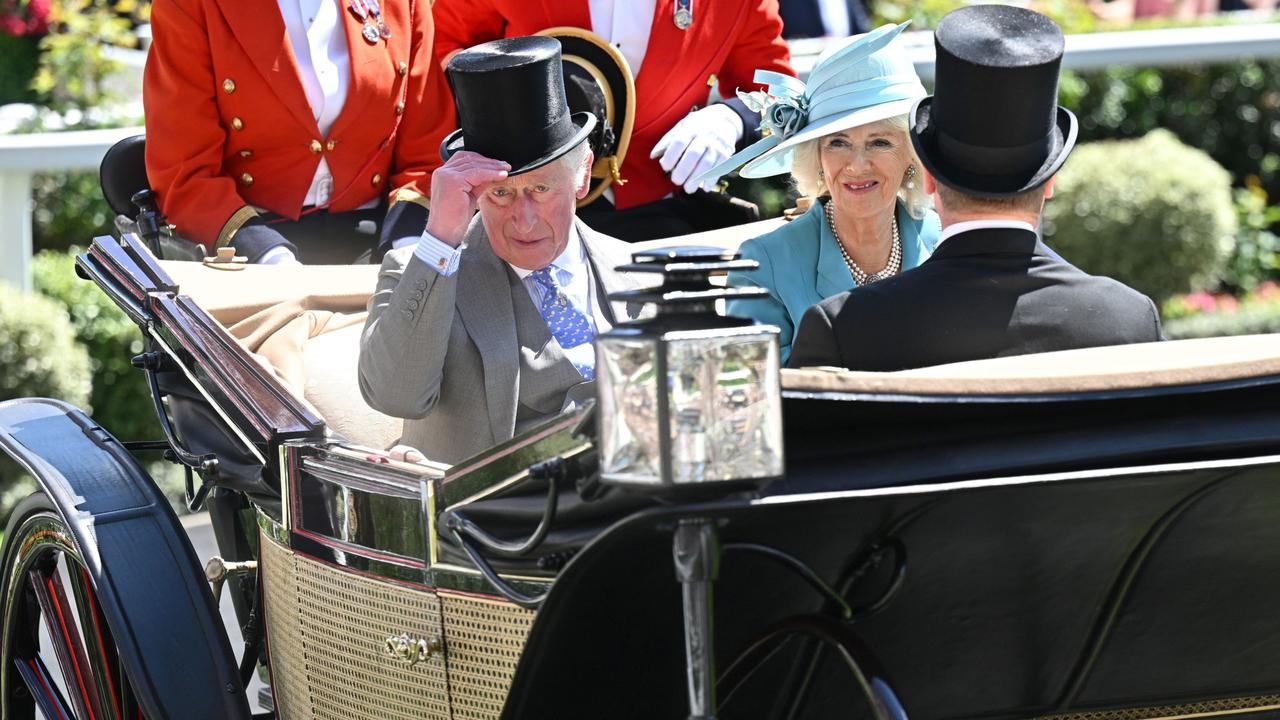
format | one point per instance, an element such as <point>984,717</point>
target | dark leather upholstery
<point>122,173</point>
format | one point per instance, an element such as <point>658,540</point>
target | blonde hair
<point>806,172</point>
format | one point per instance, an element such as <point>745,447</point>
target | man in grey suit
<point>482,327</point>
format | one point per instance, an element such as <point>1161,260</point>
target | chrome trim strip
<point>286,492</point>
<point>1044,479</point>
<point>216,407</point>
<point>455,577</point>
<point>523,474</point>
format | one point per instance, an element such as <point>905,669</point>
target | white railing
<point>1094,51</point>
<point>23,155</point>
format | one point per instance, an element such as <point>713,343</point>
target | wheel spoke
<point>43,690</point>
<point>99,649</point>
<point>59,617</point>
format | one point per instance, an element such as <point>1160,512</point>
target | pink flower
<point>1227,304</point>
<point>1201,301</point>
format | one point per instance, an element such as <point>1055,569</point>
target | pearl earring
<point>911,175</point>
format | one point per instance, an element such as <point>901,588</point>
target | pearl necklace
<point>860,276</point>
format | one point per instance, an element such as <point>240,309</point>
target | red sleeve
<point>463,23</point>
<point>429,114</point>
<point>759,46</point>
<point>184,136</point>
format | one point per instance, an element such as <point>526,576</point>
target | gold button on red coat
<point>316,147</point>
<point>399,108</point>
<point>237,123</point>
<point>376,180</point>
<point>402,69</point>
<point>228,86</point>
<point>246,179</point>
<point>331,145</point>
<point>246,153</point>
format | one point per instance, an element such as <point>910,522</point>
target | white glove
<point>278,255</point>
<point>700,141</point>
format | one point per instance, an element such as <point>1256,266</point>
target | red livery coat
<point>729,39</point>
<point>229,126</point>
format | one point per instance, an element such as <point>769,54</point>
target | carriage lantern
<point>690,400</point>
<point>691,407</point>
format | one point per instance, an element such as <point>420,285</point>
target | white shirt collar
<point>571,260</point>
<point>967,225</point>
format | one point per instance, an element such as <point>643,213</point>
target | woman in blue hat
<point>843,137</point>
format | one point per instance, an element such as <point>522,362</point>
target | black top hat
<point>511,104</point>
<point>993,126</point>
<point>598,80</point>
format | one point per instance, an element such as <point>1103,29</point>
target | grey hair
<point>573,160</point>
<point>806,172</point>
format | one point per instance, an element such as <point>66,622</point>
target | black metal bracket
<point>207,464</point>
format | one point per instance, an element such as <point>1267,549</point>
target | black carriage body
<point>1110,551</point>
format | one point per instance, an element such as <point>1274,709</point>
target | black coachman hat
<point>598,80</point>
<point>511,104</point>
<point>993,126</point>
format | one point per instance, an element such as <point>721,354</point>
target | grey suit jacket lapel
<point>484,304</point>
<point>604,257</point>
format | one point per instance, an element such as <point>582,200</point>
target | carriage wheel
<point>59,659</point>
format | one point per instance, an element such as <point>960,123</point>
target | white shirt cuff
<point>438,255</point>
<point>278,255</point>
<point>405,241</point>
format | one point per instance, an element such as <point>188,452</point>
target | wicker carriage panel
<point>334,666</point>
<point>483,641</point>
<point>284,632</point>
<point>1205,709</point>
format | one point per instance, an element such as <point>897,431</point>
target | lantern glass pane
<point>627,383</point>
<point>725,408</point>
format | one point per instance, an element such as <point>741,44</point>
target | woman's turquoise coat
<point>801,265</point>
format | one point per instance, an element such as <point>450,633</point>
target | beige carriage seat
<point>303,323</point>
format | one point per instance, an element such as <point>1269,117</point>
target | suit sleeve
<point>184,135</point>
<point>406,336</point>
<point>463,23</point>
<point>815,344</point>
<point>428,117</point>
<point>769,310</point>
<point>759,46</point>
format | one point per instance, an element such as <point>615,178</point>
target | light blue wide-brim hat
<point>861,80</point>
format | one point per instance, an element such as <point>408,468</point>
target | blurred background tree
<point>22,24</point>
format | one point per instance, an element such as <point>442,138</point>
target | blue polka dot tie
<point>568,325</point>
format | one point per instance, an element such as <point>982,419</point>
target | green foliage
<point>1152,213</point>
<point>1073,16</point>
<point>121,400</point>
<point>38,351</point>
<point>69,210</point>
<point>1257,255</point>
<point>74,64</point>
<point>1253,320</point>
<point>1227,111</point>
<point>21,54</point>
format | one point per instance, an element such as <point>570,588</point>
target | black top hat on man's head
<point>511,104</point>
<point>993,126</point>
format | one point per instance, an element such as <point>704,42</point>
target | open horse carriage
<point>1085,534</point>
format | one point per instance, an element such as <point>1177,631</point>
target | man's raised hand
<point>455,191</point>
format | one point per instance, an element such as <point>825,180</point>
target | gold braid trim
<point>234,223</point>
<point>405,194</point>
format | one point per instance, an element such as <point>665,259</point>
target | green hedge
<point>1256,320</point>
<point>121,400</point>
<point>39,355</point>
<point>1152,213</point>
<point>1228,111</point>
